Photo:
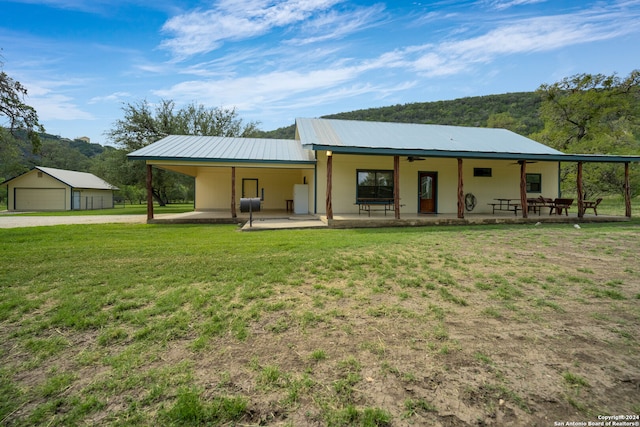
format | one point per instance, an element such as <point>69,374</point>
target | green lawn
<point>119,210</point>
<point>205,325</point>
<point>611,205</point>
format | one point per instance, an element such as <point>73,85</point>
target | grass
<point>117,210</point>
<point>574,380</point>
<point>124,324</point>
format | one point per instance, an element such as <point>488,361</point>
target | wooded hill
<point>518,111</point>
<point>55,152</point>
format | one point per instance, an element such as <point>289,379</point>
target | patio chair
<point>561,204</point>
<point>592,205</point>
<point>545,202</point>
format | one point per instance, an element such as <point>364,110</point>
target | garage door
<point>40,199</point>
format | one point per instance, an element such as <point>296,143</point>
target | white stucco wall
<point>213,186</point>
<point>504,182</point>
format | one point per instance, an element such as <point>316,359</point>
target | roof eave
<point>220,160</point>
<point>560,157</point>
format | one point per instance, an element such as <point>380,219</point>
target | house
<point>345,167</point>
<point>49,189</point>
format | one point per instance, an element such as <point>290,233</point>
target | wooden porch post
<point>460,190</point>
<point>580,191</point>
<point>329,179</point>
<point>233,192</point>
<point>396,185</point>
<point>149,193</point>
<point>627,191</point>
<point>523,188</point>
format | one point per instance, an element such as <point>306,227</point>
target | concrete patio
<point>276,219</point>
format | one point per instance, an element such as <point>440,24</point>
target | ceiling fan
<point>526,161</point>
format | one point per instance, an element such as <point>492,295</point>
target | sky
<point>82,61</point>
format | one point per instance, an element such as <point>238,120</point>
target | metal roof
<point>224,149</point>
<point>387,138</point>
<point>74,179</point>
<point>363,137</point>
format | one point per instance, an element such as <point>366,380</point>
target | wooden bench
<point>561,204</point>
<point>367,205</point>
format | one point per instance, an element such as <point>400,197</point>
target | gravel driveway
<point>14,221</point>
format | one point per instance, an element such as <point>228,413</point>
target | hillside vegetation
<point>519,111</point>
<point>55,152</point>
<point>515,111</point>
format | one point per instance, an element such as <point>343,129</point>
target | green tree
<point>112,166</point>
<point>144,124</point>
<point>595,114</point>
<point>56,154</point>
<point>17,116</point>
<point>505,120</point>
<point>11,153</point>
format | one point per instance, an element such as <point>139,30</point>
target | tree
<point>595,114</point>
<point>579,110</point>
<point>505,120</point>
<point>18,116</point>
<point>143,124</point>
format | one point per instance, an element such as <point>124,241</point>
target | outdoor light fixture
<point>329,153</point>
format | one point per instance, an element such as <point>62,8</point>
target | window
<point>534,183</point>
<point>485,172</point>
<point>374,184</point>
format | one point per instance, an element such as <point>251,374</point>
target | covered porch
<point>416,168</point>
<point>525,202</point>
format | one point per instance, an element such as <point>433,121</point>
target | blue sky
<point>275,60</point>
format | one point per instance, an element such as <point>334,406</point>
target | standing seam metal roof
<point>73,179</point>
<point>408,136</point>
<point>78,179</point>
<point>363,137</point>
<point>212,148</point>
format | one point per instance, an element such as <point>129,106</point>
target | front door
<point>76,200</point>
<point>427,191</point>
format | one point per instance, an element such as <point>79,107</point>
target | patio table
<point>505,205</point>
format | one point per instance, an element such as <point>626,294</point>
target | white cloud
<point>114,97</point>
<point>506,4</point>
<point>203,31</point>
<point>58,107</point>
<point>249,92</point>
<point>540,34</point>
<point>51,104</point>
<point>287,90</point>
<point>334,25</point>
